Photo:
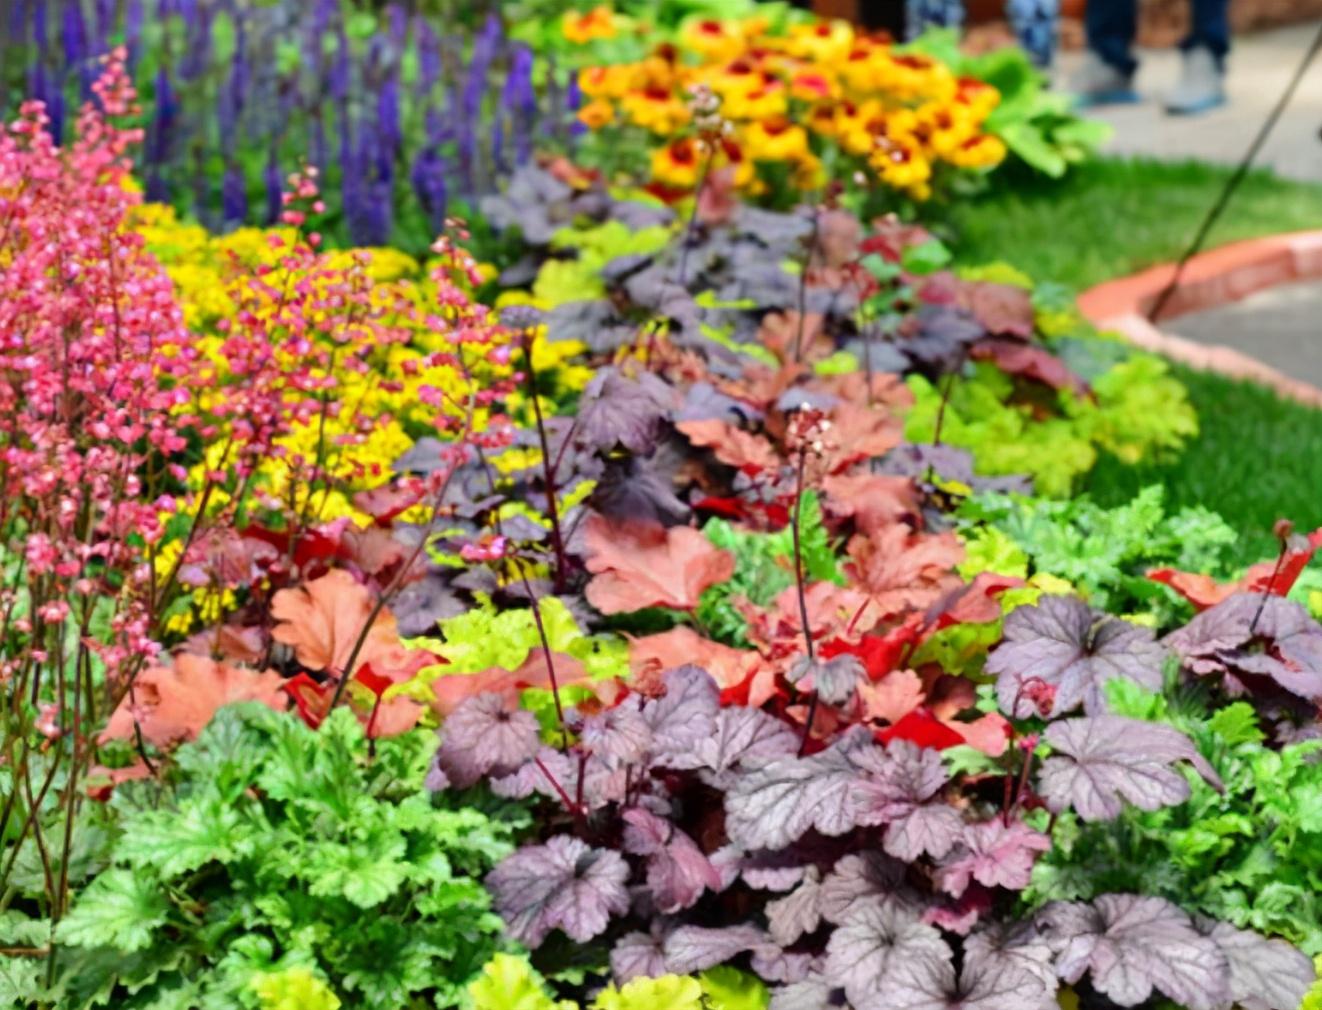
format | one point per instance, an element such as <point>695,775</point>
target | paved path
<point>1281,326</point>
<point>1260,67</point>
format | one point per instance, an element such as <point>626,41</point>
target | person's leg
<point>1211,28</point>
<point>1034,23</point>
<point>1111,25</point>
<point>1107,72</point>
<point>923,14</point>
<point>1200,87</point>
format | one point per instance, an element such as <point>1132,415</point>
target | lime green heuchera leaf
<point>988,549</point>
<point>1313,1001</point>
<point>670,992</point>
<point>728,988</point>
<point>511,983</point>
<point>118,909</point>
<point>294,989</point>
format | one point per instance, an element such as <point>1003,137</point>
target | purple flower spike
<point>234,195</point>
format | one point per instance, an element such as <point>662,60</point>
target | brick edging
<point>1213,278</point>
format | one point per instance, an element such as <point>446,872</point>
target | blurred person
<point>1107,74</point>
<point>1033,22</point>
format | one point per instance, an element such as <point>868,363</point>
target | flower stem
<point>798,583</point>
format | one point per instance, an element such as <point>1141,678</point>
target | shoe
<point>1097,82</point>
<point>1200,87</point>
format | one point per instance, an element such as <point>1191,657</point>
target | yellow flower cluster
<point>378,400</point>
<point>820,92</point>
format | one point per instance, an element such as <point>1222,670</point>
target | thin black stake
<point>1232,184</point>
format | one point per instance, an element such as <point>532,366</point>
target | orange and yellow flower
<point>598,23</point>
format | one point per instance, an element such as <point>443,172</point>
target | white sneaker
<point>1097,82</point>
<point>1200,87</point>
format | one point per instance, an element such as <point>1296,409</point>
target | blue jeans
<point>1033,21</point>
<point>1112,23</point>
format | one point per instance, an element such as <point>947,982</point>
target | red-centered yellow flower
<point>857,125</point>
<point>655,108</point>
<point>596,114</point>
<point>678,164</point>
<point>809,175</point>
<point>862,68</point>
<point>776,139</point>
<point>710,38</point>
<point>609,82</point>
<point>943,128</point>
<point>821,118</point>
<point>821,41</point>
<point>814,84</point>
<point>732,154</point>
<point>981,151</point>
<point>901,166</point>
<point>736,77</point>
<point>769,100</point>
<point>978,95</point>
<point>598,23</point>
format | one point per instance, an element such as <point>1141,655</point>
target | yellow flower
<point>598,23</point>
<point>776,139</point>
<point>710,38</point>
<point>596,114</point>
<point>677,164</point>
<point>765,100</point>
<point>821,41</point>
<point>981,151</point>
<point>610,81</point>
<point>655,108</point>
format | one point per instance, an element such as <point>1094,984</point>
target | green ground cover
<point>1257,456</point>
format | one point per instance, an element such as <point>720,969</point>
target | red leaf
<point>880,654</point>
<point>171,704</point>
<point>653,655</point>
<point>873,501</point>
<point>975,603</point>
<point>645,565</point>
<point>1029,361</point>
<point>732,446</point>
<point>922,728</point>
<point>323,619</point>
<point>1001,308</point>
<point>901,570</point>
<point>1204,592</point>
<point>731,508</point>
<point>311,698</point>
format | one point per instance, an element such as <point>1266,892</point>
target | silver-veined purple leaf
<point>741,735</point>
<point>619,736</point>
<point>1131,945</point>
<point>1062,643</point>
<point>1098,764</point>
<point>696,948</point>
<point>1264,974</point>
<point>982,985</point>
<point>857,879</point>
<point>563,884</point>
<point>992,853</point>
<point>484,736</point>
<point>878,936</point>
<point>773,963</point>
<point>685,715</point>
<point>602,784</point>
<point>638,955</point>
<point>799,912</point>
<point>813,993</point>
<point>677,870</point>
<point>1019,944</point>
<point>928,829</point>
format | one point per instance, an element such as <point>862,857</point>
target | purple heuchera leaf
<point>563,885</point>
<point>834,680</point>
<point>483,736</point>
<point>904,796</point>
<point>992,853</point>
<point>697,948</point>
<point>685,715</point>
<point>602,784</point>
<point>982,985</point>
<point>1062,643</point>
<point>1133,945</point>
<point>1218,641</point>
<point>813,993</point>
<point>1019,944</point>
<point>1098,764</point>
<point>857,879</point>
<point>638,955</point>
<point>1264,974</point>
<point>865,953</point>
<point>772,963</point>
<point>615,409</point>
<point>619,736</point>
<point>677,870</point>
<point>742,736</point>
<point>797,913</point>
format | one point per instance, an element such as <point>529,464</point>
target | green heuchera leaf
<point>119,909</point>
<point>1142,411</point>
<point>282,867</point>
<point>764,567</point>
<point>511,983</point>
<point>579,278</point>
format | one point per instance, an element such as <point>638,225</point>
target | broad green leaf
<point>510,983</point>
<point>119,909</point>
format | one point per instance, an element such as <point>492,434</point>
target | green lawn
<point>1113,216</point>
<point>1257,457</point>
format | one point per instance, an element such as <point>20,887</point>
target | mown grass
<point>1257,457</point>
<point>1113,216</point>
